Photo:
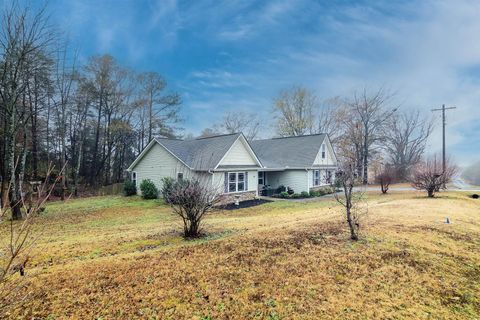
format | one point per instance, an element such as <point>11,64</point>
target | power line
<point>443,133</point>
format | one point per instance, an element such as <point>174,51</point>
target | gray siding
<point>238,155</point>
<point>158,163</point>
<point>295,179</point>
<point>329,155</point>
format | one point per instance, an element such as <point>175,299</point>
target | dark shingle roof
<point>291,152</point>
<point>202,153</point>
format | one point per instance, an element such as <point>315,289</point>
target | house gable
<point>239,154</point>
<point>330,158</point>
<point>157,163</point>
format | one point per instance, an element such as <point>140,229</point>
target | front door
<point>262,182</point>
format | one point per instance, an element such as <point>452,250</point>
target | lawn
<point>123,258</point>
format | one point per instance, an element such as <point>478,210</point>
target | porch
<point>272,182</point>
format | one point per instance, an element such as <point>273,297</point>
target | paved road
<point>458,184</point>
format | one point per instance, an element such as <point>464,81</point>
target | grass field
<point>123,258</point>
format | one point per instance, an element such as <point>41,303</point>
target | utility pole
<point>444,163</point>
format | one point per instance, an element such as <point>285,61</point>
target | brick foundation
<point>242,196</point>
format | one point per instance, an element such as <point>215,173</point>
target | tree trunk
<point>13,192</point>
<point>34,129</point>
<point>63,157</point>
<point>431,193</point>
<point>48,131</point>
<point>4,166</point>
<point>93,172</point>
<point>365,158</point>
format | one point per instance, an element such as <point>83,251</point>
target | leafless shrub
<point>428,175</point>
<point>353,202</point>
<point>191,200</point>
<point>385,178</point>
<point>17,236</point>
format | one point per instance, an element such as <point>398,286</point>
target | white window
<point>180,176</point>
<point>323,151</point>
<point>232,182</point>
<point>316,177</point>
<point>241,181</point>
<point>236,181</point>
<point>134,177</point>
<point>261,177</point>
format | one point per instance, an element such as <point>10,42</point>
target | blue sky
<point>237,55</point>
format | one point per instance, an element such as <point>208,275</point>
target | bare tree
<point>209,132</point>
<point>328,118</point>
<point>294,112</point>
<point>353,202</point>
<point>349,145</point>
<point>95,118</point>
<point>191,199</point>
<point>161,109</point>
<point>405,140</point>
<point>24,40</point>
<point>428,175</point>
<point>245,122</point>
<point>64,81</point>
<point>385,178</point>
<point>371,114</point>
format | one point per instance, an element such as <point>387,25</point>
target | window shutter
<point>225,184</point>
<point>313,178</point>
<point>246,181</point>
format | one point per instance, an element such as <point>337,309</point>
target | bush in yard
<point>284,194</point>
<point>192,200</point>
<point>314,193</point>
<point>337,185</point>
<point>385,178</point>
<point>281,189</point>
<point>129,188</point>
<point>290,190</point>
<point>167,187</point>
<point>296,196</point>
<point>305,194</point>
<point>429,175</point>
<point>149,190</point>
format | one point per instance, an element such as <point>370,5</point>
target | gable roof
<point>199,154</point>
<point>288,152</point>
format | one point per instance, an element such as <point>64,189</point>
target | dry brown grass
<point>115,258</point>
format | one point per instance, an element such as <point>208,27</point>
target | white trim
<point>136,177</point>
<point>140,156</point>
<point>181,174</point>
<point>237,181</point>
<point>330,147</point>
<point>147,148</point>
<point>315,177</point>
<point>249,149</point>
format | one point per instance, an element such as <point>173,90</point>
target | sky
<point>238,55</point>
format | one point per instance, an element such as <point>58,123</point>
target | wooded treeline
<point>91,119</point>
<point>368,130</point>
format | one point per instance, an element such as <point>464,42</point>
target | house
<point>302,163</point>
<point>239,169</point>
